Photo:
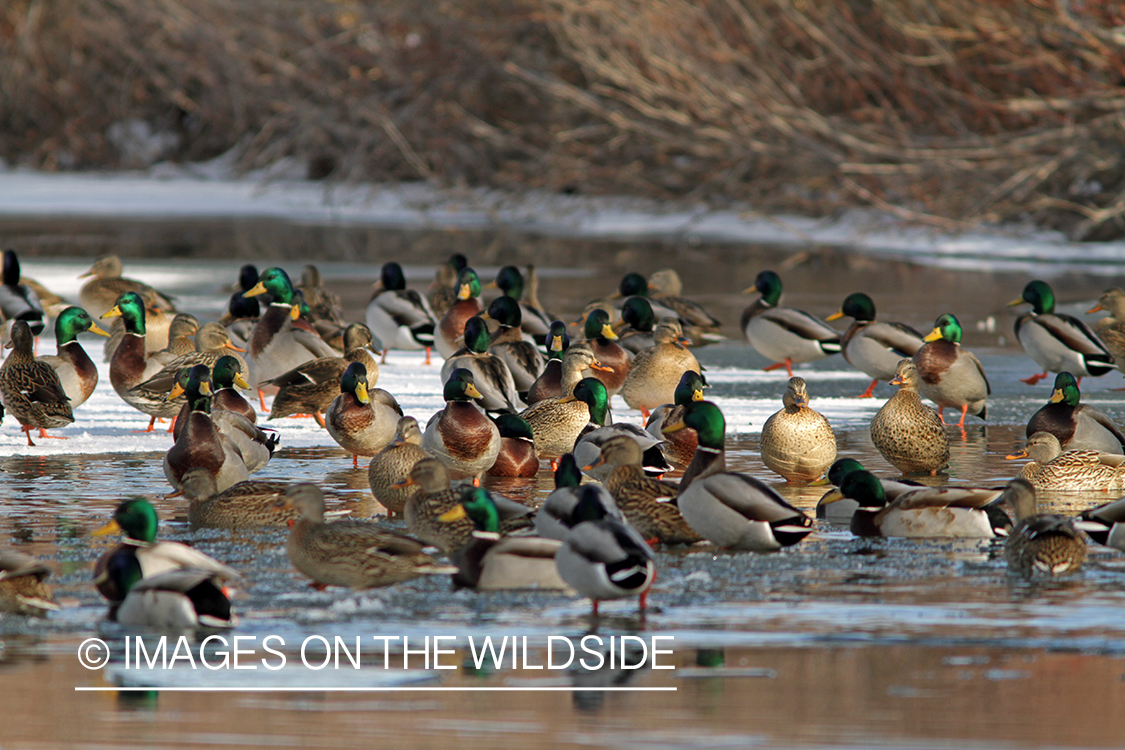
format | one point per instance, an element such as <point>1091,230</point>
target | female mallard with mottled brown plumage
<point>461,435</point>
<point>556,423</point>
<point>951,376</point>
<point>200,442</point>
<point>434,497</point>
<point>29,389</point>
<point>797,442</point>
<point>1051,470</point>
<point>1077,426</point>
<point>77,373</point>
<point>1111,329</point>
<point>572,361</point>
<point>491,561</point>
<point>643,500</point>
<point>100,293</point>
<point>443,291</point>
<point>212,341</point>
<point>245,505</point>
<point>23,590</point>
<point>349,552</point>
<point>603,342</point>
<point>679,446</point>
<point>391,466</point>
<point>311,387</point>
<point>908,433</point>
<point>656,371</point>
<point>362,422</point>
<point>1040,542</point>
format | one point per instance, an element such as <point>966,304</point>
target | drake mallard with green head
<point>555,516</point>
<point>512,284</point>
<point>129,367</point>
<point>461,435</point>
<point>468,304</point>
<point>1078,426</point>
<point>797,442</point>
<point>200,442</point>
<point>350,552</point>
<point>557,423</point>
<point>511,344</point>
<point>588,447</point>
<point>276,345</point>
<point>636,325</point>
<point>874,347</point>
<point>907,433</point>
<point>401,318</point>
<point>517,457</point>
<point>491,561</point>
<point>30,389</point>
<point>1057,342</point>
<point>603,342</point>
<point>679,446</point>
<point>77,373</point>
<point>783,335</point>
<point>951,377</point>
<point>362,422</point>
<point>491,374</point>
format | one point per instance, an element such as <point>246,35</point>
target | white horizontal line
<point>388,689</point>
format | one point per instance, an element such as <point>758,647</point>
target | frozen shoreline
<point>202,192</point>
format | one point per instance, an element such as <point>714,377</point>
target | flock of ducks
<point>522,386</point>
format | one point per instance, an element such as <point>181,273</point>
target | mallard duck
<point>1111,329</point>
<point>634,284</point>
<point>951,377</point>
<point>243,312</point>
<point>732,510</point>
<point>452,324</point>
<point>510,282</point>
<point>29,389</point>
<point>18,301</point>
<point>1077,426</point>
<point>362,423</point>
<point>443,290</point>
<point>665,288</point>
<point>635,327</point>
<point>200,443</point>
<point>276,345</point>
<point>1040,542</point>
<point>350,552</point>
<point>461,435</point>
<point>245,505</point>
<point>167,335</point>
<point>491,374</point>
<point>511,344</point>
<point>1057,342</point>
<point>325,310</point>
<point>555,516</point>
<point>588,447</point>
<point>129,367</point>
<point>874,347</point>
<point>922,512</point>
<point>101,292</point>
<point>159,584</point>
<point>400,317</point>
<point>23,588</point>
<point>834,507</point>
<point>908,434</point>
<point>656,371</point>
<point>556,423</point>
<point>1052,470</point>
<point>311,387</point>
<point>77,373</point>
<point>603,558</point>
<point>603,342</point>
<point>641,499</point>
<point>679,447</point>
<point>212,341</point>
<point>797,442</point>
<point>225,375</point>
<point>1105,524</point>
<point>782,334</point>
<point>517,457</point>
<point>392,465</point>
<point>492,562</point>
<point>549,382</point>
<point>434,497</point>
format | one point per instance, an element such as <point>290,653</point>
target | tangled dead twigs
<point>944,112</point>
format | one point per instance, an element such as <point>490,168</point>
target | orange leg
<point>964,411</point>
<point>787,364</point>
<point>383,361</point>
<point>262,400</point>
<point>319,418</point>
<point>554,464</point>
<point>941,414</point>
<point>427,362</point>
<point>644,594</point>
<point>355,460</point>
<point>43,434</point>
<point>151,422</point>
<point>870,392</point>
<point>172,427</point>
<point>645,414</point>
<point>1033,379</point>
<point>27,431</point>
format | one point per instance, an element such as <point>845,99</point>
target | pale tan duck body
<point>656,372</point>
<point>212,341</point>
<point>100,293</point>
<point>557,422</point>
<point>350,552</point>
<point>392,466</point>
<point>797,442</point>
<point>1111,329</point>
<point>23,590</point>
<point>1040,543</point>
<point>908,434</point>
<point>245,505</point>
<point>1052,470</point>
